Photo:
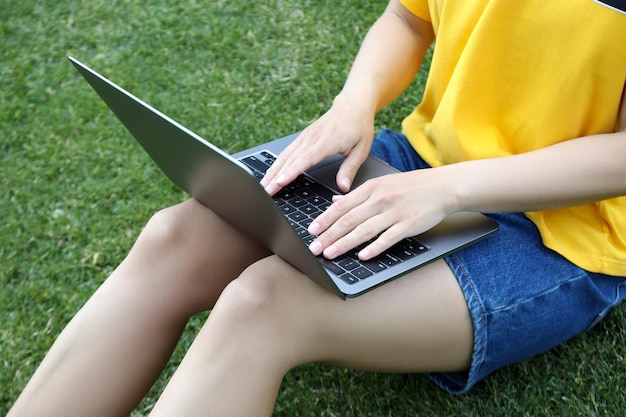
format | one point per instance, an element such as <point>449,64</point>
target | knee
<point>256,293</point>
<point>167,228</point>
<point>262,299</point>
<point>263,310</point>
<point>170,260</point>
<point>184,234</point>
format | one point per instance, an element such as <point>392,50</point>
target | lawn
<point>76,189</point>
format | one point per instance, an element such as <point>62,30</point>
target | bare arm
<point>390,56</point>
<point>574,172</point>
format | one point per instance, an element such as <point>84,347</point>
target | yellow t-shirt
<point>508,77</point>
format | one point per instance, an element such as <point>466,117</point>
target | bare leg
<point>112,351</point>
<point>272,319</point>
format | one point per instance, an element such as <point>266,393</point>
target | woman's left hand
<point>395,206</point>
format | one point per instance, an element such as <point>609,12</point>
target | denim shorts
<point>523,297</point>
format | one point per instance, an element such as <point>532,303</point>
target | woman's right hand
<point>347,128</point>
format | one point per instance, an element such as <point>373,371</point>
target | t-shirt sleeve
<point>419,8</point>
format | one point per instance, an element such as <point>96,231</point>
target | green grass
<point>76,189</point>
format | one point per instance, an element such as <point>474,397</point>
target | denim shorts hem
<point>460,382</point>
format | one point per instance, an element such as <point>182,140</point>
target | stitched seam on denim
<point>481,308</point>
<point>536,296</point>
<point>614,303</point>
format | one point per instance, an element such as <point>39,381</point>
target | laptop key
<point>310,210</point>
<point>306,222</point>
<point>297,216</point>
<point>287,209</point>
<point>315,214</point>
<point>255,163</point>
<point>401,253</point>
<point>374,265</point>
<point>349,279</point>
<point>302,232</point>
<point>322,191</point>
<point>298,202</point>
<point>284,195</point>
<point>362,273</point>
<point>268,156</point>
<point>348,264</point>
<point>413,245</point>
<point>388,259</point>
<point>335,269</point>
<point>304,193</point>
<point>317,200</point>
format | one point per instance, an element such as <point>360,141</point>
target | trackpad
<point>326,171</point>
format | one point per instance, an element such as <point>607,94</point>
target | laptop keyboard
<point>304,199</point>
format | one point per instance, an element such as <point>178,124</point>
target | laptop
<point>229,186</point>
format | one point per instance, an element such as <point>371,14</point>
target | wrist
<point>357,101</point>
<point>456,181</point>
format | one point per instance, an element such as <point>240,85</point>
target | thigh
<point>419,322</point>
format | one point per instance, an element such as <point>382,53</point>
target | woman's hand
<point>395,206</point>
<point>347,128</point>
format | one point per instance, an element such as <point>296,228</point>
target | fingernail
<point>314,228</point>
<point>315,248</point>
<point>346,183</point>
<point>330,252</point>
<point>364,255</point>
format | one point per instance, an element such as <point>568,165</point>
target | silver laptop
<point>229,185</point>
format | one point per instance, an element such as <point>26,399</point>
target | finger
<point>298,158</point>
<point>280,162</point>
<point>363,232</point>
<point>295,165</point>
<point>352,224</point>
<point>350,166</point>
<point>386,240</point>
<point>287,154</point>
<point>341,205</point>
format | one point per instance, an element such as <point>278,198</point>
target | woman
<point>522,117</point>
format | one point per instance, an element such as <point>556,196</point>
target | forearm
<point>388,60</point>
<point>571,173</point>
